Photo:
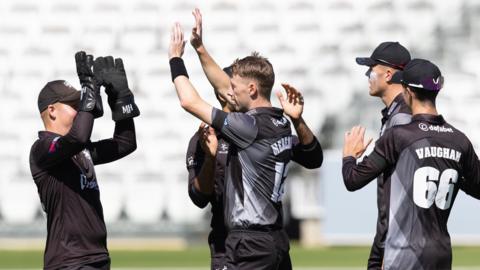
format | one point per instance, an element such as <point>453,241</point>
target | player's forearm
<point>189,98</point>
<point>310,156</point>
<point>204,182</point>
<point>356,176</point>
<point>81,129</point>
<point>305,135</point>
<point>215,75</point>
<point>191,101</point>
<point>125,137</point>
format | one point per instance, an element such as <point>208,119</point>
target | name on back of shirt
<point>282,145</point>
<point>438,152</point>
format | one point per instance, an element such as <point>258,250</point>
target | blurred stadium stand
<point>312,45</point>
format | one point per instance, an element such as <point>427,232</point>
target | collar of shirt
<point>430,118</point>
<point>46,134</point>
<point>387,111</point>
<point>266,110</point>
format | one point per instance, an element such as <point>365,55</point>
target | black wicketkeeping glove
<point>113,77</point>
<point>90,99</point>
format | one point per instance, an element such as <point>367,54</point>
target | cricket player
<point>62,160</point>
<point>260,148</point>
<point>428,161</point>
<point>385,61</point>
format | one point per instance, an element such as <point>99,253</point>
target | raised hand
<point>354,142</point>
<point>90,98</point>
<point>208,140</point>
<point>196,37</point>
<point>177,43</point>
<point>293,103</point>
<point>111,73</point>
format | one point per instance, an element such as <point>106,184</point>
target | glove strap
<point>124,108</point>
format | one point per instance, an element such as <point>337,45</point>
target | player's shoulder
<point>460,137</point>
<point>272,122</point>
<point>193,143</point>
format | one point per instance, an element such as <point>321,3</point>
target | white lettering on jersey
<point>439,152</point>
<point>85,184</point>
<point>437,128</point>
<point>282,145</point>
<point>127,108</point>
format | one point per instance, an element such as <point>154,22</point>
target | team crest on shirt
<point>279,122</point>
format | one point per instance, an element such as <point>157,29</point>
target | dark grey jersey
<point>260,150</point>
<point>429,161</point>
<point>398,113</point>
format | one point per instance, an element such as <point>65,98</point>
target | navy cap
<point>57,91</point>
<point>388,53</point>
<point>420,73</point>
<point>228,70</point>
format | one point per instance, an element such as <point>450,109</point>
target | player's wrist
<point>177,68</point>
<point>200,49</point>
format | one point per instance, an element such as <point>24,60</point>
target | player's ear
<point>388,74</point>
<point>252,89</point>
<point>52,112</point>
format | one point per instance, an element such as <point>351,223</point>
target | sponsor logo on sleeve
<point>223,148</point>
<point>191,161</point>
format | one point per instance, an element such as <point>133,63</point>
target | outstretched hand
<point>177,43</point>
<point>354,142</point>
<point>196,38</point>
<point>292,104</point>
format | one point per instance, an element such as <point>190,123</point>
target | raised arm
<point>110,73</point>
<point>51,151</point>
<point>189,98</point>
<point>307,151</point>
<point>356,176</point>
<point>120,145</point>
<point>215,75</point>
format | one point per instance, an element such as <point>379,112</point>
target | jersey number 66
<point>425,190</point>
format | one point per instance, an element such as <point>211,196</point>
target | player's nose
<point>368,72</point>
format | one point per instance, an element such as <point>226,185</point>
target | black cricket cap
<point>57,91</point>
<point>420,73</point>
<point>388,53</point>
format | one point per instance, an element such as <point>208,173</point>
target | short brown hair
<point>258,68</point>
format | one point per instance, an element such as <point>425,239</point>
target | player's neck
<point>423,108</point>
<point>55,129</point>
<point>391,94</point>
<point>260,102</point>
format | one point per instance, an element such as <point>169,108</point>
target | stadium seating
<point>312,45</point>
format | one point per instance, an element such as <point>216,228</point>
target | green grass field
<point>198,258</point>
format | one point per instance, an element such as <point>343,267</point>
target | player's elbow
<point>130,147</point>
<point>187,104</point>
<point>350,185</point>
<point>316,162</point>
<point>351,188</point>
